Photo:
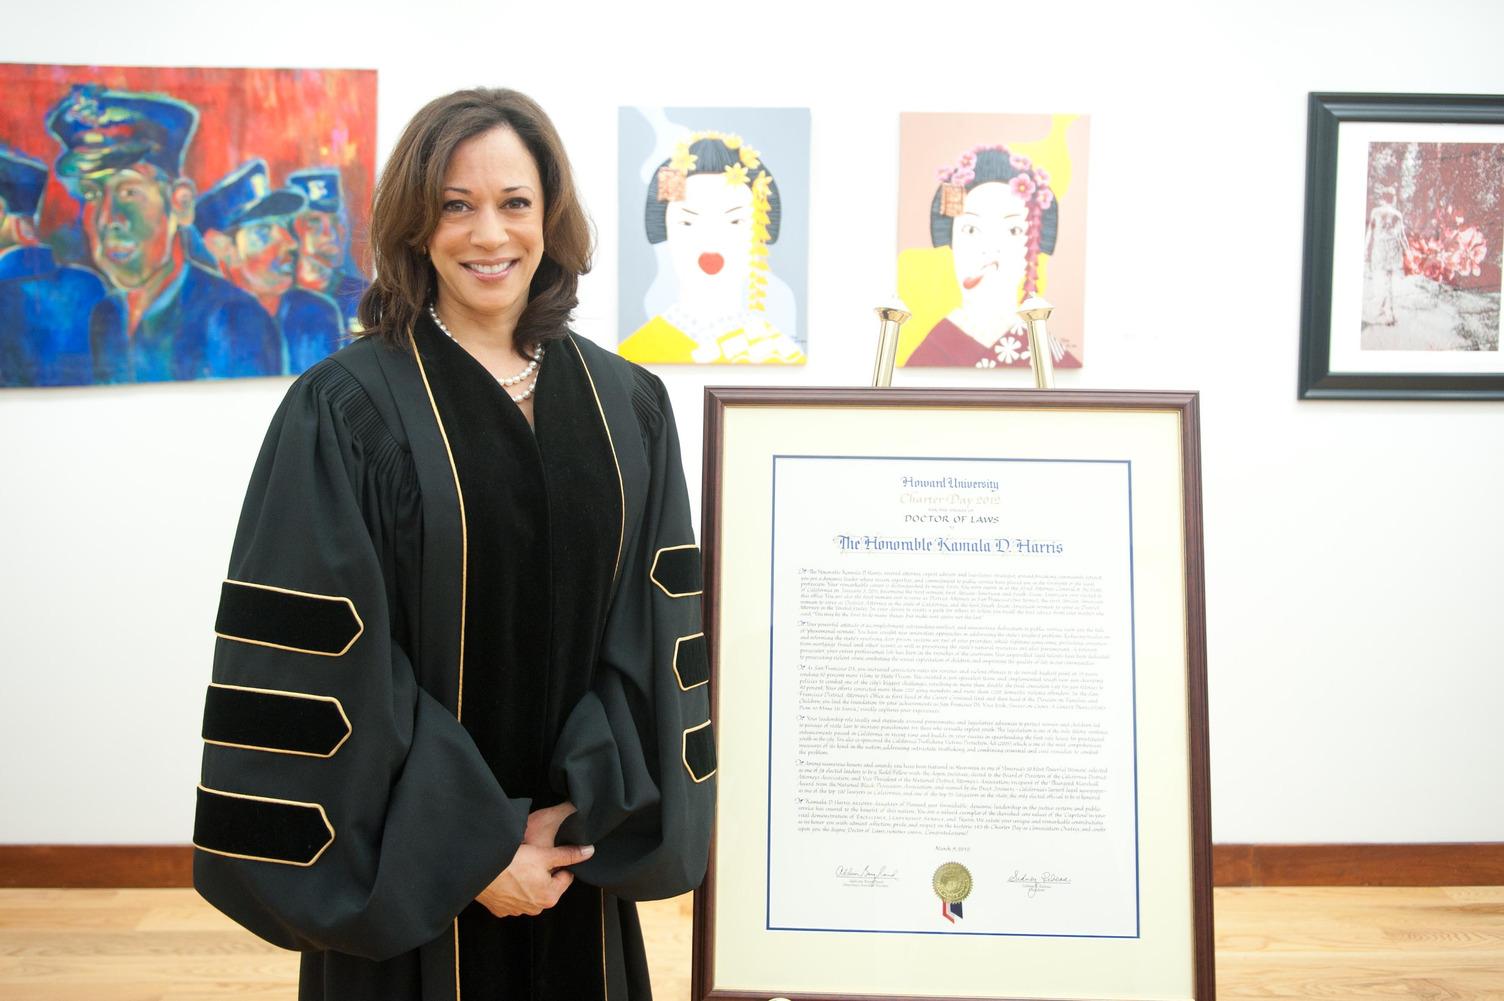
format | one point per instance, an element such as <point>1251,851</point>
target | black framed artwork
<point>1404,229</point>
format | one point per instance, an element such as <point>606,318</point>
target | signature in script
<point>1035,885</point>
<point>866,875</point>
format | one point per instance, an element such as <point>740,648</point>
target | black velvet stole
<point>507,567</point>
<point>585,512</point>
<point>543,517</point>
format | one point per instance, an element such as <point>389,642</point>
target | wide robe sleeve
<point>637,754</point>
<point>342,807</point>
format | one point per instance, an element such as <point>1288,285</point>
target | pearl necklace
<point>508,381</point>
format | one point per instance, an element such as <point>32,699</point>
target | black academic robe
<point>435,621</point>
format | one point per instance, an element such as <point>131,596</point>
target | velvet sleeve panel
<point>621,758</point>
<point>418,825</point>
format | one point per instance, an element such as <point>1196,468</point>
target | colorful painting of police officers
<point>172,224</point>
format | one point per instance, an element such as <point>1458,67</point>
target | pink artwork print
<point>1434,229</point>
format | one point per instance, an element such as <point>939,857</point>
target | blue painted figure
<point>323,232</point>
<point>166,317</point>
<point>249,229</point>
<point>44,306</point>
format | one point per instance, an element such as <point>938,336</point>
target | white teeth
<point>490,269</point>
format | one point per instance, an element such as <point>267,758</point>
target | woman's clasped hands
<point>538,874</point>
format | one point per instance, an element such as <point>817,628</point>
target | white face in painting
<point>989,242</point>
<point>710,242</point>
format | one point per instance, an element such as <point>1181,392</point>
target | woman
<point>458,718</point>
<point>997,213</point>
<point>716,205</point>
<point>1386,247</point>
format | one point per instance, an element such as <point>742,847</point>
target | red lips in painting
<point>972,281</point>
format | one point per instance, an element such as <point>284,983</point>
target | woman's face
<point>489,241</point>
<point>710,233</point>
<point>989,242</point>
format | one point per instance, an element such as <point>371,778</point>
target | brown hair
<point>409,199</point>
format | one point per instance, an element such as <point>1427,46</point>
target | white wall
<point>1353,549</point>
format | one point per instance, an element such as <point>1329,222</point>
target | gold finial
<point>891,315</point>
<point>1035,310</point>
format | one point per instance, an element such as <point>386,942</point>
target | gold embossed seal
<point>952,882</point>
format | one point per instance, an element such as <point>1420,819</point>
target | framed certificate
<point>958,678</point>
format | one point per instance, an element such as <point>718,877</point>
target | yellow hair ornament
<point>671,188</point>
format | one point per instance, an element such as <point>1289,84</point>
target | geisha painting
<point>714,235</point>
<point>992,211</point>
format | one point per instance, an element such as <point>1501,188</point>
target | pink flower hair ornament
<point>1028,180</point>
<point>988,163</point>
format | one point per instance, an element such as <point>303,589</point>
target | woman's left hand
<point>543,825</point>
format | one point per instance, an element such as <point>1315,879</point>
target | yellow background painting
<point>926,274</point>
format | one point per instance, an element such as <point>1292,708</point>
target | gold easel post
<point>1035,311</point>
<point>892,316</point>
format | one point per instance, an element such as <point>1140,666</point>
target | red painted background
<point>1467,178</point>
<point>289,118</point>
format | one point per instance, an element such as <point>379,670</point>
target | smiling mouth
<point>489,270</point>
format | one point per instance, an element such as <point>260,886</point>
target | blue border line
<point>947,458</point>
<point>772,599</point>
<point>973,934</point>
<point>1133,693</point>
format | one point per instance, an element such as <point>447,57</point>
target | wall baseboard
<point>96,866</point>
<point>1477,863</point>
<point>1451,864</point>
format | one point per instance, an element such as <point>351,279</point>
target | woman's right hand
<point>535,880</point>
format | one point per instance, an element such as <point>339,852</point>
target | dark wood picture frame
<point>1327,113</point>
<point>1186,405</point>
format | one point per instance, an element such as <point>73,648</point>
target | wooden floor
<point>1334,944</point>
